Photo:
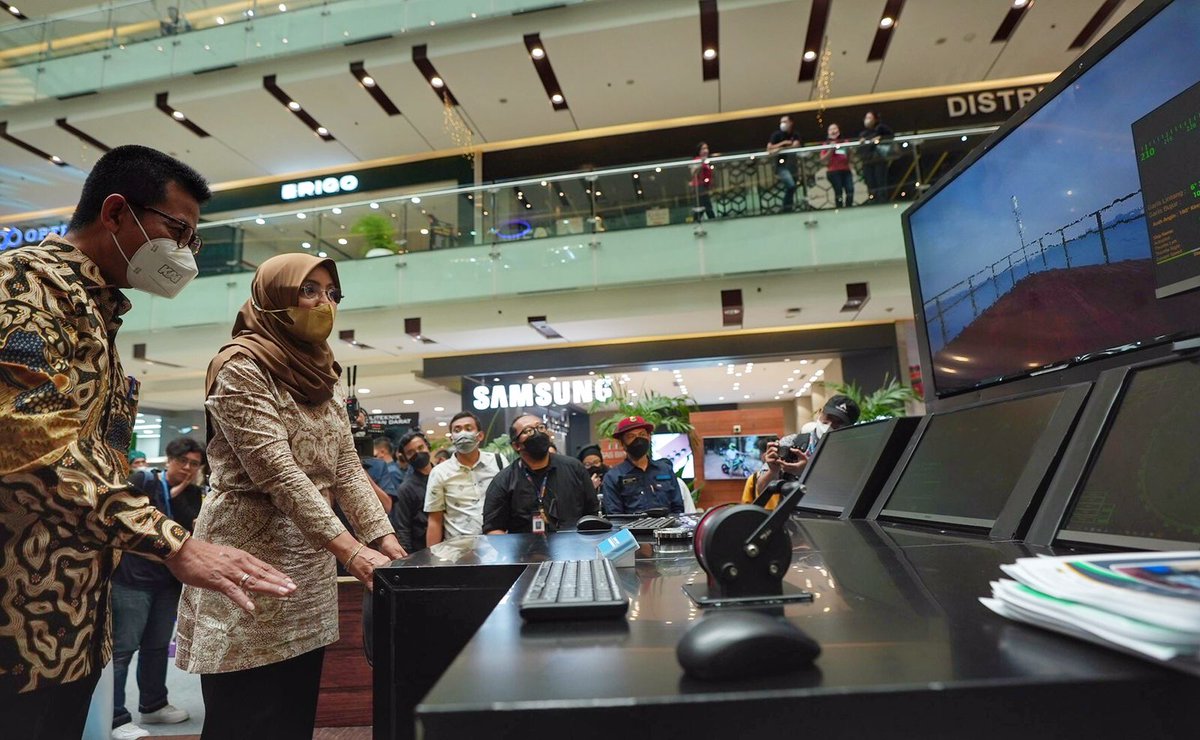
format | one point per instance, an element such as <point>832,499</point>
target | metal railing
<point>581,204</point>
<point>1109,234</point>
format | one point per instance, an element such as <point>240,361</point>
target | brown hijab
<point>306,370</point>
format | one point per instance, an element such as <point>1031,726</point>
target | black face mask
<point>598,470</point>
<point>419,461</point>
<point>638,448</point>
<point>537,445</point>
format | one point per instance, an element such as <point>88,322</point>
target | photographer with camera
<point>786,458</point>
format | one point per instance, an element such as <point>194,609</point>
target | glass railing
<point>584,205</point>
<point>141,40</point>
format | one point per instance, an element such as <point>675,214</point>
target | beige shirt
<point>277,466</point>
<point>459,491</point>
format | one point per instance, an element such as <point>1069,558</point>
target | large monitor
<point>982,467</point>
<point>1045,248</point>
<point>734,458</point>
<point>851,465</point>
<point>1139,482</point>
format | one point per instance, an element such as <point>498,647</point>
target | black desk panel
<point>908,651</point>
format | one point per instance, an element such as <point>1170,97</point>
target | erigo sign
<point>322,186</point>
<point>557,393</point>
<point>12,237</point>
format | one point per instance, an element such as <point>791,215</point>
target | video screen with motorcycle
<point>734,458</point>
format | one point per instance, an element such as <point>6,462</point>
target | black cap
<point>843,409</point>
<point>589,450</point>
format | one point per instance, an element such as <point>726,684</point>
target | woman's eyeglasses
<point>313,292</point>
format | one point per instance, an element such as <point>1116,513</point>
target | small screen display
<point>844,457</point>
<point>967,462</point>
<point>1144,481</point>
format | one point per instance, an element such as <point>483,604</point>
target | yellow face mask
<point>312,324</point>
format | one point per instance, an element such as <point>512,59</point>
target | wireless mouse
<point>744,644</point>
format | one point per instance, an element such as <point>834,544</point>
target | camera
<point>353,410</point>
<point>791,447</point>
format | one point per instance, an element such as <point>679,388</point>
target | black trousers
<point>53,713</point>
<point>272,702</point>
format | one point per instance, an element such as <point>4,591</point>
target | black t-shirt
<point>139,572</point>
<point>408,513</point>
<point>881,131</point>
<point>789,160</point>
<point>512,497</point>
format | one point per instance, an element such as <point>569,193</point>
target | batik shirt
<point>66,417</point>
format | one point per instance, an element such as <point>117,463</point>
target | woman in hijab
<point>281,453</point>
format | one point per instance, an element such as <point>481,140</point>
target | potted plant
<point>886,402</point>
<point>378,233</point>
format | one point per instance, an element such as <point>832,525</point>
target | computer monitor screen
<point>1048,248</point>
<point>968,461</point>
<point>676,449</point>
<point>839,467</point>
<point>734,458</point>
<point>1142,488</point>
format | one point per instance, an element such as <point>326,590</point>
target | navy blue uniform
<point>629,490</point>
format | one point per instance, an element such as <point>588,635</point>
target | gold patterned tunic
<point>66,417</point>
<point>277,466</point>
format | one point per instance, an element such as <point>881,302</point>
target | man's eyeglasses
<point>312,291</point>
<point>189,463</point>
<point>528,430</point>
<point>185,235</point>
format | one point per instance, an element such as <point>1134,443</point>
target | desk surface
<point>895,610</point>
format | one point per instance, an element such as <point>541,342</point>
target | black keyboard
<point>574,589</point>
<point>647,524</point>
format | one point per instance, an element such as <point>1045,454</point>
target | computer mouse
<point>593,524</point>
<point>744,644</point>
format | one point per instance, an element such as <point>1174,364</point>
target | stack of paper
<point>1148,603</point>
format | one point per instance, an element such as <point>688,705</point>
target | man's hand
<point>389,546</point>
<point>227,570</point>
<point>597,480</point>
<point>771,457</point>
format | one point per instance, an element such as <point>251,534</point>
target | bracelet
<point>354,554</point>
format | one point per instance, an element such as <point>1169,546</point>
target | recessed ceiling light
<point>886,22</point>
<point>260,221</point>
<point>720,398</point>
<point>294,105</point>
<point>409,402</point>
<point>804,362</point>
<point>1020,3</point>
<point>439,408</point>
<point>55,159</point>
<point>553,378</point>
<point>342,241</point>
<point>710,54</point>
<point>431,431</point>
<point>337,211</point>
<point>322,255</point>
<point>424,232</point>
<point>375,206</point>
<point>557,98</point>
<point>364,391</point>
<point>810,56</point>
<point>321,130</point>
<point>416,199</point>
<point>376,411</point>
<point>441,423</point>
<point>653,369</point>
<point>746,396</point>
<point>282,7</point>
<point>178,115</point>
<point>301,216</point>
<point>437,82</point>
<point>220,20</point>
<point>537,52</point>
<point>306,245</point>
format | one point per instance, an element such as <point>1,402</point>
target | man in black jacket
<point>408,515</point>
<point>540,492</point>
<point>145,596</point>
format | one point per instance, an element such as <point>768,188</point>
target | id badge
<point>539,524</point>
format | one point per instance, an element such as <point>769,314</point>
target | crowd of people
<point>244,569</point>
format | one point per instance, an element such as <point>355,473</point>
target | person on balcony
<point>702,177</point>
<point>837,161</point>
<point>780,140</point>
<point>876,146</point>
<point>174,23</point>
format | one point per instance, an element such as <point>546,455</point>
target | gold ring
<point>242,582</point>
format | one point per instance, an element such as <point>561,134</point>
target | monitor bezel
<point>1048,526</point>
<point>1018,509</point>
<point>1128,25</point>
<point>855,502</point>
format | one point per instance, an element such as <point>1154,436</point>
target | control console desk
<point>908,650</point>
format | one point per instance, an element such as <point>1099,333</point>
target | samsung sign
<point>323,186</point>
<point>558,393</point>
<point>12,237</point>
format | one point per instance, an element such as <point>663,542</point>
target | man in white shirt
<point>457,487</point>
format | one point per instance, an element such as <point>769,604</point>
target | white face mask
<point>464,442</point>
<point>783,127</point>
<point>159,266</point>
<point>820,429</point>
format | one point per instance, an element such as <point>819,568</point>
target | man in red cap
<point>640,483</point>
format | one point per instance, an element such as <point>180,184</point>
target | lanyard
<point>542,493</point>
<point>166,497</point>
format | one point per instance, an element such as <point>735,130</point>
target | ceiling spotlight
<point>55,159</point>
<point>374,206</point>
<point>1020,3</point>
<point>282,7</point>
<point>301,216</point>
<point>710,54</point>
<point>178,115</point>
<point>409,402</point>
<point>364,391</point>
<point>294,105</point>
<point>322,131</point>
<point>368,81</point>
<point>260,221</point>
<point>886,22</point>
<point>220,20</point>
<point>537,52</point>
<point>416,199</point>
<point>376,411</point>
<point>322,255</point>
<point>810,56</point>
<point>343,241</point>
<point>13,9</point>
<point>337,211</point>
<point>556,98</point>
<point>437,82</point>
<point>306,245</point>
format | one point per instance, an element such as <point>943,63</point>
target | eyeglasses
<point>186,236</point>
<point>312,291</point>
<point>188,462</point>
<point>535,428</point>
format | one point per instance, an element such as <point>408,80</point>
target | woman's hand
<point>362,566</point>
<point>390,546</point>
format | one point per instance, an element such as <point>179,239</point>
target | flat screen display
<point>1039,252</point>
<point>676,449</point>
<point>1144,480</point>
<point>967,462</point>
<point>845,456</point>
<point>734,458</point>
